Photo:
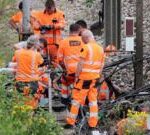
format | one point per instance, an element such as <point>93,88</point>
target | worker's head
<point>74,29</point>
<point>83,25</point>
<point>32,42</point>
<point>20,6</point>
<point>43,42</point>
<point>42,46</point>
<point>87,36</point>
<point>50,7</point>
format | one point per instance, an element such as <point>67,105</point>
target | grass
<point>14,114</point>
<point>7,36</point>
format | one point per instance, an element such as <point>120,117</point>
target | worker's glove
<point>54,20</point>
<point>46,27</point>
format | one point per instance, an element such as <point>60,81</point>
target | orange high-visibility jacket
<point>47,19</point>
<point>27,65</point>
<point>18,19</point>
<point>93,55</point>
<point>69,51</point>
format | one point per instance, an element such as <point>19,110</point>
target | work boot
<point>68,126</point>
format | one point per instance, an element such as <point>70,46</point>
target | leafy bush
<point>134,124</point>
<point>19,119</point>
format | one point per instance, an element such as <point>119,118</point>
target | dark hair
<point>49,4</point>
<point>82,23</point>
<point>74,27</point>
<point>43,41</point>
<point>29,46</point>
<point>20,6</point>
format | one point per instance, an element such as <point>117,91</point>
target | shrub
<point>19,119</point>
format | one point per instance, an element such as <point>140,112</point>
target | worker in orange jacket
<point>51,23</point>
<point>68,57</point>
<point>27,74</point>
<point>16,20</point>
<point>87,76</point>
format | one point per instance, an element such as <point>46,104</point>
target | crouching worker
<point>28,60</point>
<point>87,76</point>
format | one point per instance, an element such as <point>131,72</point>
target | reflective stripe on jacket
<point>69,52</point>
<point>93,61</point>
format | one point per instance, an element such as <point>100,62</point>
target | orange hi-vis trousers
<point>103,94</point>
<point>67,81</point>
<point>84,89</point>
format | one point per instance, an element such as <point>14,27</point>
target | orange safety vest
<point>69,51</point>
<point>93,55</point>
<point>27,65</point>
<point>46,19</point>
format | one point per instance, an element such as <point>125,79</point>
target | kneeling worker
<point>28,60</point>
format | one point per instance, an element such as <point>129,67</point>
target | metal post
<point>107,24</point>
<point>49,92</point>
<point>112,22</point>
<point>26,20</point>
<point>118,23</point>
<point>139,44</point>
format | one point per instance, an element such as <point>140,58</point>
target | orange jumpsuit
<point>68,53</point>
<point>93,56</point>
<point>53,36</point>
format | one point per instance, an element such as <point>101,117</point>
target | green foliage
<point>7,37</point>
<point>5,55</point>
<point>19,119</point>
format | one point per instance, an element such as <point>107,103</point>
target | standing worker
<point>68,57</point>
<point>17,19</point>
<point>51,23</point>
<point>27,73</point>
<point>87,76</point>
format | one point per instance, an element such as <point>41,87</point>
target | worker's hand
<point>76,78</point>
<point>46,27</point>
<point>17,29</point>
